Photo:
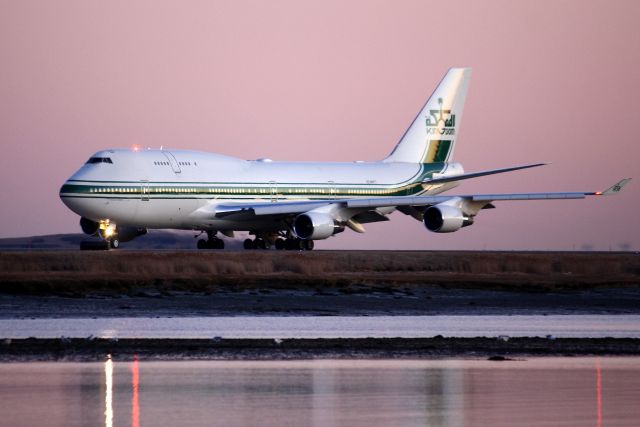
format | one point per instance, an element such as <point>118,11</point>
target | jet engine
<point>445,219</point>
<point>89,227</point>
<point>316,226</point>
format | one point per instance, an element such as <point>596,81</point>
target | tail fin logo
<point>441,122</point>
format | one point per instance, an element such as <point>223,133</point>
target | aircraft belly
<point>208,222</point>
<point>117,210</point>
<point>165,213</point>
<point>226,225</point>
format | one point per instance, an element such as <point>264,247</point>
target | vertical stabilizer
<point>432,135</point>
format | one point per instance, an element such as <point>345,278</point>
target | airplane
<point>121,193</point>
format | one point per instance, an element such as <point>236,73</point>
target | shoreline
<point>376,300</point>
<point>74,284</point>
<point>332,283</point>
<point>98,349</point>
<point>82,273</point>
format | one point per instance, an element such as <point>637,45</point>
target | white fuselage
<point>120,193</point>
<point>167,189</point>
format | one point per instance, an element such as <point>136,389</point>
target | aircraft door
<point>144,190</point>
<point>172,161</point>
<point>332,189</point>
<point>274,191</point>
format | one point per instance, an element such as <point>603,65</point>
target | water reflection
<point>135,403</point>
<point>598,394</point>
<point>550,391</point>
<point>108,395</point>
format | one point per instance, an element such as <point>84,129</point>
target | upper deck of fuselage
<point>186,166</point>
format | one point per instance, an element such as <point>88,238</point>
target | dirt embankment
<point>268,349</point>
<point>75,272</point>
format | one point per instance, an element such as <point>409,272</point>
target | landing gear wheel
<point>248,244</point>
<point>308,245</point>
<point>294,244</point>
<point>215,243</point>
<point>280,244</point>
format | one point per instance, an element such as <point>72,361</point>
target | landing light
<point>135,147</point>
<point>108,232</point>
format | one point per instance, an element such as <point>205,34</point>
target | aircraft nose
<point>65,192</point>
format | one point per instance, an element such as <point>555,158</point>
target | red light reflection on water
<point>598,395</point>
<point>135,403</point>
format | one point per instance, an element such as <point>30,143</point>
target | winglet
<point>614,189</point>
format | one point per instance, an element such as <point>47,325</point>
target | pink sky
<point>555,81</point>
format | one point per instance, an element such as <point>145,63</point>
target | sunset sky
<point>553,81</point>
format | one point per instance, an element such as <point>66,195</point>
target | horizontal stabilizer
<point>460,177</point>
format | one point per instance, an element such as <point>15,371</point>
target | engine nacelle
<point>445,219</point>
<point>89,227</point>
<point>129,233</point>
<point>316,226</point>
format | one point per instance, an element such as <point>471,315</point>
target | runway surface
<point>561,326</point>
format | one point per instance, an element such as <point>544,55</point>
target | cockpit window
<point>99,160</point>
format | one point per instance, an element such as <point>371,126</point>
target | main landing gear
<point>256,243</point>
<point>212,242</point>
<point>291,244</point>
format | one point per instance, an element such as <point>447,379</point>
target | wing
<point>440,179</point>
<point>488,198</point>
<point>474,202</point>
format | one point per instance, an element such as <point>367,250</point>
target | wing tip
<point>614,189</point>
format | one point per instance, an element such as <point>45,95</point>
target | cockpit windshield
<point>99,160</point>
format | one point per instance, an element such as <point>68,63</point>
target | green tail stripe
<point>442,151</point>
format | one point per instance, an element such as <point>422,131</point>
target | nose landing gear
<point>106,232</point>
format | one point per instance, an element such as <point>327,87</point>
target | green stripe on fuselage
<point>253,190</point>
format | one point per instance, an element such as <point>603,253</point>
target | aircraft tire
<point>295,244</point>
<point>308,245</point>
<point>279,244</point>
<point>215,243</point>
<point>248,244</point>
<point>202,244</point>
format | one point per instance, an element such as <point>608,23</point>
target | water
<point>570,326</point>
<point>548,391</point>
